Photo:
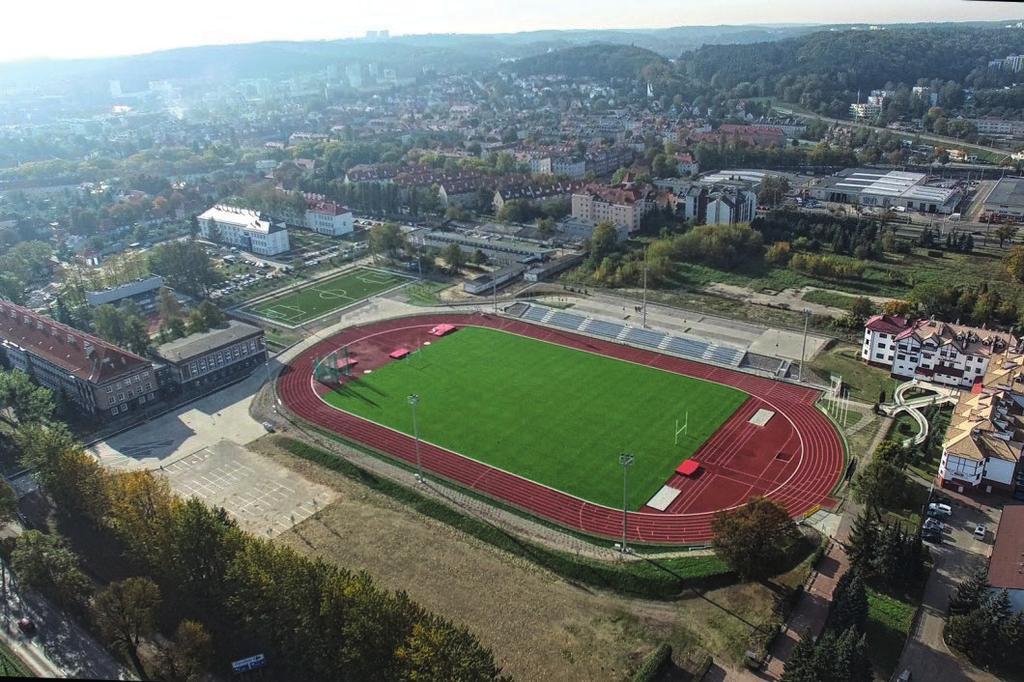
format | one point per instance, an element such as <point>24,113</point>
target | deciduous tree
<point>126,614</point>
<point>755,538</point>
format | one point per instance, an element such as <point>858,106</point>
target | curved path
<point>796,459</point>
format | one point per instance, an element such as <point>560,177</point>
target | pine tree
<point>800,664</point>
<point>849,603</point>
<point>861,543</point>
<point>969,594</point>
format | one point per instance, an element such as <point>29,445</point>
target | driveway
<point>926,654</point>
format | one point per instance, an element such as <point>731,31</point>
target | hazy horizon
<point>120,27</point>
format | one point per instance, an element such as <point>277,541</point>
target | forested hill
<point>824,70</point>
<point>594,61</point>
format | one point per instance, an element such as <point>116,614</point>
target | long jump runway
<point>795,459</point>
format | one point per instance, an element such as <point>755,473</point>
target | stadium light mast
<point>414,399</point>
<point>626,460</point>
<point>645,289</point>
<point>803,346</point>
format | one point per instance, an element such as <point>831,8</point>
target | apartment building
<point>103,381</point>
<point>244,228</point>
<point>621,204</point>
<point>944,353</point>
<point>327,217</point>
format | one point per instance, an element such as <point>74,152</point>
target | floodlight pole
<point>414,399</point>
<point>803,346</point>
<point>645,290</point>
<point>626,460</point>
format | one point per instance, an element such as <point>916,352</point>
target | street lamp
<point>414,399</point>
<point>626,460</point>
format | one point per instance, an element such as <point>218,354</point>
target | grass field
<point>309,303</point>
<point>552,414</point>
<point>889,621</point>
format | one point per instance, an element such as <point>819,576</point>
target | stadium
<point>536,418</point>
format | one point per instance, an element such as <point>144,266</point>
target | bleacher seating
<point>606,329</point>
<point>682,346</point>
<point>535,313</point>
<point>644,337</point>
<point>566,320</point>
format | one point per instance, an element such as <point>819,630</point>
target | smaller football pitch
<point>308,303</point>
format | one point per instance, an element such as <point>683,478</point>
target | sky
<point>72,28</point>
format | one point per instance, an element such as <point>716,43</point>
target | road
<point>60,648</point>
<point>946,141</point>
<point>926,654</point>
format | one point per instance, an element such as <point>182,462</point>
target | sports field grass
<point>309,303</point>
<point>552,414</point>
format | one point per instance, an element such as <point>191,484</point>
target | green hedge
<point>653,664</point>
<point>661,578</point>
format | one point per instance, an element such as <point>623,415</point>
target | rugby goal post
<point>682,429</point>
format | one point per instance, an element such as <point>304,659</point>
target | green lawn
<point>889,621</point>
<point>864,381</point>
<point>555,415</point>
<point>309,303</point>
<point>829,298</point>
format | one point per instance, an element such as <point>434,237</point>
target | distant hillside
<point>594,61</point>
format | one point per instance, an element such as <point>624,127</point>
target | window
<point>114,411</point>
<point>149,386</point>
<point>131,393</point>
<point>136,379</point>
<point>120,396</point>
<point>110,389</point>
<point>110,400</point>
<point>878,356</point>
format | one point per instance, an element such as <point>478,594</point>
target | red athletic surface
<point>796,459</point>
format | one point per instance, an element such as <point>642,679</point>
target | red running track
<point>796,459</point>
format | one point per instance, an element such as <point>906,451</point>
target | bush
<point>653,664</point>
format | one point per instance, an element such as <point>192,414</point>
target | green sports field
<point>309,303</point>
<point>552,414</point>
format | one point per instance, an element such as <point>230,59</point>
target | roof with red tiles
<point>88,357</point>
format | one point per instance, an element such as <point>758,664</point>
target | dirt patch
<point>538,625</point>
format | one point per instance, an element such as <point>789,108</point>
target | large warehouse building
<point>889,189</point>
<point>1006,200</point>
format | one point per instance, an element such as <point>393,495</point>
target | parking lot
<point>263,496</point>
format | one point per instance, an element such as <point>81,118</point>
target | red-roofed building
<point>101,379</point>
<point>1005,568</point>
<point>950,354</point>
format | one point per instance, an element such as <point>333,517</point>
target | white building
<point>243,228</point>
<point>327,217</point>
<point>728,205</point>
<point>982,447</point>
<point>949,354</point>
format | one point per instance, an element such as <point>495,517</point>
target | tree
<point>8,502</point>
<point>860,546</point>
<point>754,539</point>
<point>122,327</point>
<point>800,664</point>
<point>126,613</point>
<point>602,242</point>
<point>386,239</point>
<point>168,306</point>
<point>862,308</point>
<point>880,484</point>
<point>1005,233</point>
<point>45,563</point>
<point>22,401</point>
<point>849,603</point>
<point>1014,263</point>
<point>186,657</point>
<point>185,266</point>
<point>894,453</point>
<point>969,593</point>
<point>454,257</point>
<point>74,480</point>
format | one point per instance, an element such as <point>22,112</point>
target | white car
<point>979,531</point>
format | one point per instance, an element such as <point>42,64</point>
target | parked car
<point>979,531</point>
<point>934,524</point>
<point>904,676</point>
<point>27,627</point>
<point>939,510</point>
<point>269,427</point>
